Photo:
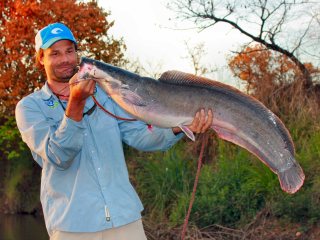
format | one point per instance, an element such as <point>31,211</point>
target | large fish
<point>175,97</point>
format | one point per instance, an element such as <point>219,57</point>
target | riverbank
<point>22,227</point>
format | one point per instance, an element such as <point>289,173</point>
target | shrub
<point>19,187</point>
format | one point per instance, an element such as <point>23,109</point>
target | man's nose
<point>65,57</point>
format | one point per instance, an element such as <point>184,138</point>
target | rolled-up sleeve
<point>55,141</point>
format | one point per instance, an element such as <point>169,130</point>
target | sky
<point>154,39</point>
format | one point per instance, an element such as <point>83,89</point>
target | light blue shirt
<point>85,185</point>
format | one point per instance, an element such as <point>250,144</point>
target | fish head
<point>90,71</point>
<point>86,71</point>
<point>105,79</point>
<point>100,71</point>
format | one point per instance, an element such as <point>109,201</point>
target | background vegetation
<point>237,197</point>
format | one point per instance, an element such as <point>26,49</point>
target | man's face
<point>60,61</point>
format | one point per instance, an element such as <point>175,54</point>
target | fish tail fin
<point>291,179</point>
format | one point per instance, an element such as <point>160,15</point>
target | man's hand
<point>200,124</point>
<point>79,92</point>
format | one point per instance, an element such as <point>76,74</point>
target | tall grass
<point>231,190</point>
<point>162,177</point>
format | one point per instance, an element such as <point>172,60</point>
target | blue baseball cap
<point>51,34</point>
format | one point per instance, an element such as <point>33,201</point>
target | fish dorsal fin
<point>182,78</point>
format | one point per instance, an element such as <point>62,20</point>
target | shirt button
<point>92,151</point>
<point>85,134</point>
<point>98,169</point>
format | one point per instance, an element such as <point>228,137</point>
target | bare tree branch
<point>196,54</point>
<point>273,19</point>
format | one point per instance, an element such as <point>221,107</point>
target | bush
<point>231,189</point>
<point>19,186</point>
<point>304,206</point>
<point>162,177</point>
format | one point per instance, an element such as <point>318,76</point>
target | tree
<point>20,20</point>
<point>150,69</point>
<point>271,77</point>
<point>286,26</point>
<point>262,68</point>
<point>195,54</point>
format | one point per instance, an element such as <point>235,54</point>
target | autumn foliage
<point>20,21</point>
<point>273,78</point>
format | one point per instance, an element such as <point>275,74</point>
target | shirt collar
<point>46,92</point>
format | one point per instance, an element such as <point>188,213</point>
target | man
<point>85,188</point>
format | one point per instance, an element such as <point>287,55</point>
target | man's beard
<point>65,77</point>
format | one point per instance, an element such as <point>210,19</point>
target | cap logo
<point>56,30</point>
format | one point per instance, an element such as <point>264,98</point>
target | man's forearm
<point>74,109</point>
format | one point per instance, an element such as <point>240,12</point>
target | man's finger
<point>200,120</point>
<point>195,121</point>
<point>208,122</point>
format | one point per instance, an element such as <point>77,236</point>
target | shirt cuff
<point>70,123</point>
<point>70,132</point>
<point>173,138</point>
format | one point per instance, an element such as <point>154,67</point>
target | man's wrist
<point>74,109</point>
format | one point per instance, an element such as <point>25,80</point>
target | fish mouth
<point>86,71</point>
<point>84,76</point>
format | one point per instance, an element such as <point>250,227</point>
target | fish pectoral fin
<point>188,132</point>
<point>132,98</point>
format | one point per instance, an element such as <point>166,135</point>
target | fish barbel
<point>175,97</point>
